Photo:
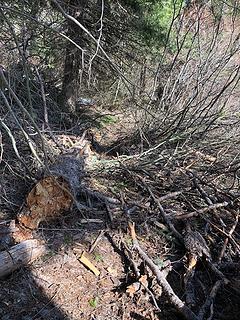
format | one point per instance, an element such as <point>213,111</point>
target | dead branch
<point>170,195</point>
<point>200,189</point>
<point>201,211</point>
<point>96,241</point>
<point>174,299</point>
<point>99,196</point>
<point>234,242</point>
<point>129,256</point>
<point>227,239</point>
<point>162,212</point>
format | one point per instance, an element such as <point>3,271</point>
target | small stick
<point>175,300</point>
<point>138,275</point>
<point>201,211</point>
<point>87,263</point>
<point>234,242</point>
<point>200,189</point>
<point>152,296</point>
<point>95,242</point>
<point>109,212</point>
<point>86,221</point>
<point>170,195</point>
<point>1,144</point>
<point>227,239</point>
<point>45,111</point>
<point>163,213</point>
<point>98,195</point>
<point>130,258</point>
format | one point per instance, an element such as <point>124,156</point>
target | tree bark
<point>19,255</point>
<point>73,56</point>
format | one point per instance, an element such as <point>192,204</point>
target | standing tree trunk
<point>73,56</point>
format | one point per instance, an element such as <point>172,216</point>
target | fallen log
<point>50,197</point>
<point>54,194</point>
<point>19,255</point>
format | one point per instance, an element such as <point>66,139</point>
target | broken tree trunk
<point>54,194</point>
<point>48,199</point>
<point>19,255</point>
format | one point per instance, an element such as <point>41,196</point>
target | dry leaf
<point>143,280</point>
<point>133,288</point>
<point>112,271</point>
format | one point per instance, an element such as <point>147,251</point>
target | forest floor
<point>162,187</point>
<point>59,286</point>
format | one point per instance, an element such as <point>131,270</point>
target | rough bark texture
<point>73,56</point>
<point>20,255</point>
<point>49,198</point>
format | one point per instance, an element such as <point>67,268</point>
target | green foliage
<point>107,120</point>
<point>154,18</point>
<point>98,257</point>
<point>94,302</point>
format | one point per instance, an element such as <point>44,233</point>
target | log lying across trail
<point>20,255</point>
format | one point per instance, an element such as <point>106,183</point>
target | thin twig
<point>45,111</point>
<point>174,299</point>
<point>201,211</point>
<point>163,213</point>
<point>170,195</point>
<point>14,145</point>
<point>96,241</point>
<point>138,274</point>
<point>227,239</point>
<point>27,114</point>
<point>28,139</point>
